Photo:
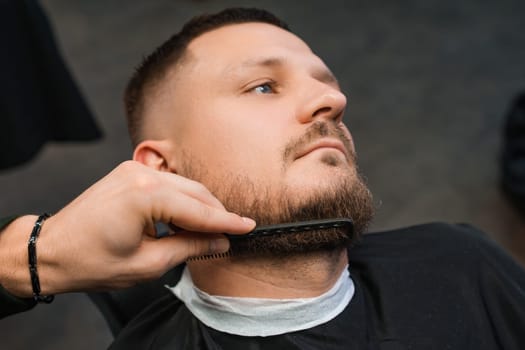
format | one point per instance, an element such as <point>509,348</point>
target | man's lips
<point>321,144</point>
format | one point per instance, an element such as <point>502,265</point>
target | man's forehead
<point>244,46</point>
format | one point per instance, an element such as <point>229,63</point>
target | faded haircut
<point>153,69</point>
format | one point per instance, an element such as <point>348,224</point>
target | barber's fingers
<point>192,214</point>
<point>186,203</point>
<point>160,196</point>
<point>191,206</point>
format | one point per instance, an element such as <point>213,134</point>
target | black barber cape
<point>39,100</point>
<point>433,286</point>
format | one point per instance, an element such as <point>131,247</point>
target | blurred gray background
<point>428,82</point>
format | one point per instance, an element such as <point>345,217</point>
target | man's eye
<point>266,88</point>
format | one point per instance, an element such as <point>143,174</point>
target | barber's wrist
<point>33,261</point>
<point>14,267</point>
<point>52,253</point>
<point>14,272</point>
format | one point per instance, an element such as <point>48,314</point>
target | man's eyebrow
<point>322,74</point>
<point>276,62</point>
<point>263,62</point>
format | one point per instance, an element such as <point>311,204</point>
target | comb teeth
<point>211,256</point>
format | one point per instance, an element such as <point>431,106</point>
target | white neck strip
<point>261,316</point>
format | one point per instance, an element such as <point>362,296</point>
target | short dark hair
<point>151,72</point>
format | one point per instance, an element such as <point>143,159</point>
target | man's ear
<point>155,154</point>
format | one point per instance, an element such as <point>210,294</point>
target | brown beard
<point>347,198</point>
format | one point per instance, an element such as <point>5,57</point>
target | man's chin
<point>318,179</point>
<point>310,199</point>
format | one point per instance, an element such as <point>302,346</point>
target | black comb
<point>299,226</point>
<point>289,227</point>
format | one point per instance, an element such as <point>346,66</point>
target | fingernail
<point>249,221</point>
<point>219,245</point>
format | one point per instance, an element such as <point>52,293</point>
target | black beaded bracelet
<point>31,251</point>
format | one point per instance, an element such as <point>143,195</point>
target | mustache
<point>316,131</point>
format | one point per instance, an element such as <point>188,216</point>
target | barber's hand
<point>105,238</point>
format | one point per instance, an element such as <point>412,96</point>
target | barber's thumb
<point>217,246</point>
<point>206,246</point>
<point>160,255</point>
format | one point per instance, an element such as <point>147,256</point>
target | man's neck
<point>298,276</point>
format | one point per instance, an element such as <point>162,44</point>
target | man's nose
<point>322,102</point>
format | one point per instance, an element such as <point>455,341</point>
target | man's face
<point>257,114</point>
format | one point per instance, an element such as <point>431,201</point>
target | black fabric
<point>513,154</point>
<point>39,100</point>
<point>433,286</point>
<point>9,304</point>
<point>120,306</point>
